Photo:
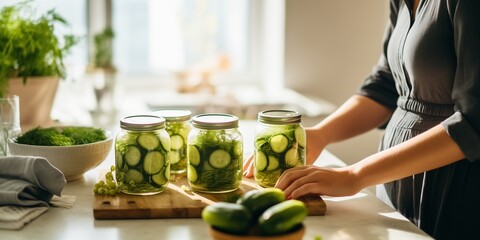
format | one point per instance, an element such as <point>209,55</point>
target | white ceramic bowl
<point>73,161</point>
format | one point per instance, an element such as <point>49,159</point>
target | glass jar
<point>215,153</point>
<point>280,144</point>
<point>141,155</point>
<point>178,127</point>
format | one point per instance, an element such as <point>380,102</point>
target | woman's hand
<point>300,181</point>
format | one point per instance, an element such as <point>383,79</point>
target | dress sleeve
<point>380,85</point>
<point>464,125</point>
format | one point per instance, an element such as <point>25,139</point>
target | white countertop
<point>361,216</point>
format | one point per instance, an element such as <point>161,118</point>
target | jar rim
<point>142,122</point>
<point>215,121</point>
<point>279,116</point>
<point>174,115</point>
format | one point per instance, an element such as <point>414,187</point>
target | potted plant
<point>103,72</point>
<point>32,60</point>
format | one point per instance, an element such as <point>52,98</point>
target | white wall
<point>330,47</point>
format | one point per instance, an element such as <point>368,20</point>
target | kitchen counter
<point>361,216</point>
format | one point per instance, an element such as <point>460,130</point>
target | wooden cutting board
<point>175,202</point>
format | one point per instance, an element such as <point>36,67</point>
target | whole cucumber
<point>282,218</point>
<point>259,200</point>
<point>227,217</point>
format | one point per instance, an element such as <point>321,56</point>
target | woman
<point>425,91</point>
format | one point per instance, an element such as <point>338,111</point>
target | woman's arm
<point>429,150</point>
<point>432,149</point>
<point>357,115</point>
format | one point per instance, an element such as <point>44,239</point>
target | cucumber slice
<point>133,175</point>
<point>300,136</point>
<point>160,179</point>
<point>119,160</point>
<point>133,155</point>
<point>174,157</point>
<point>260,161</point>
<point>291,157</point>
<point>273,163</point>
<point>148,141</point>
<point>177,142</point>
<point>219,158</point>
<point>165,140</point>
<point>153,162</point>
<point>192,174</point>
<point>259,142</point>
<point>167,173</point>
<point>279,143</point>
<point>193,155</point>
<point>238,149</point>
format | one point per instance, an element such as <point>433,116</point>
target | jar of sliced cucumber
<point>142,147</point>
<point>280,144</point>
<point>178,126</point>
<point>215,153</point>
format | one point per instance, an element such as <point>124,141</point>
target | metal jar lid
<point>279,117</point>
<point>173,115</point>
<point>212,121</point>
<point>142,123</point>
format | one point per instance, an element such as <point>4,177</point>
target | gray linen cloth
<point>29,181</point>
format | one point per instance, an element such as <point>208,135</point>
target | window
<point>154,36</point>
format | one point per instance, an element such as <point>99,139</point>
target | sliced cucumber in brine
<point>261,161</point>
<point>174,157</point>
<point>193,155</point>
<point>259,142</point>
<point>192,174</point>
<point>148,141</point>
<point>132,156</point>
<point>165,140</point>
<point>238,149</point>
<point>177,142</point>
<point>219,158</point>
<point>161,178</point>
<point>119,160</point>
<point>291,157</point>
<point>133,175</point>
<point>300,136</point>
<point>153,162</point>
<point>279,143</point>
<point>273,163</point>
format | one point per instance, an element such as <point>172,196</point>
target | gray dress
<point>429,74</point>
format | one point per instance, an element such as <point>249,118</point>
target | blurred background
<point>232,56</point>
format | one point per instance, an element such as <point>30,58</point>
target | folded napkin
<point>29,181</point>
<point>27,188</point>
<point>15,217</point>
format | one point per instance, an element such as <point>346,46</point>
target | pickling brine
<point>215,153</point>
<point>178,127</point>
<point>141,155</point>
<point>280,144</point>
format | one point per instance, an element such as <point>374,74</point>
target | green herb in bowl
<point>66,136</point>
